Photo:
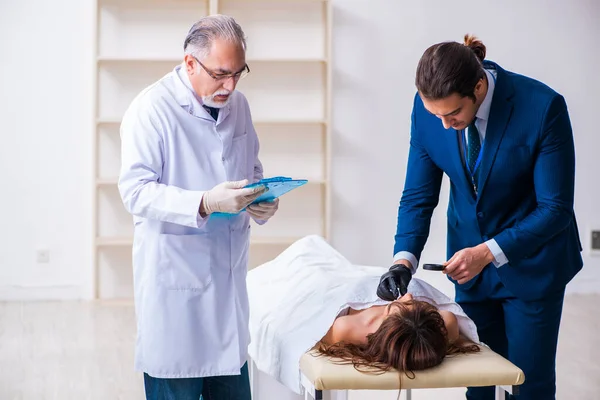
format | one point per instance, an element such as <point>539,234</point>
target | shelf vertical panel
<point>213,7</point>
<point>94,281</point>
<point>328,137</point>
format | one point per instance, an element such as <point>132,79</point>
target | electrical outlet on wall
<point>43,256</point>
<point>596,240</point>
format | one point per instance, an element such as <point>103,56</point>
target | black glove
<point>394,283</point>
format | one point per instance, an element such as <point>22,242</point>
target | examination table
<point>485,368</point>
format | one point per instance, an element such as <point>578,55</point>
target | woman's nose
<point>407,297</point>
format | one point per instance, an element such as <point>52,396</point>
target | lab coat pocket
<point>239,157</point>
<point>184,262</point>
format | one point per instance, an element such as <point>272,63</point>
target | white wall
<point>46,80</point>
<point>45,126</point>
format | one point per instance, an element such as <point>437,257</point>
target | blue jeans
<point>234,387</point>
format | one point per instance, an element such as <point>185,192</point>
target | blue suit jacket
<point>526,187</point>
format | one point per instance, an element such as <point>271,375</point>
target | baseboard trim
<point>37,293</point>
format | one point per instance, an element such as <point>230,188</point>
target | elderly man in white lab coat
<point>188,149</point>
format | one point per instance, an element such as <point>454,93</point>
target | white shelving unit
<point>289,91</point>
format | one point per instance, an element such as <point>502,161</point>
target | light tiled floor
<point>67,350</point>
<point>84,350</point>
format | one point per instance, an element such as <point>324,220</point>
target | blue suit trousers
<point>524,332</point>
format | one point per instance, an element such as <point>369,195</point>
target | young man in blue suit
<point>505,141</point>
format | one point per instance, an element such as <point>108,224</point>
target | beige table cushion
<point>485,368</point>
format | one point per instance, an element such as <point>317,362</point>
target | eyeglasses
<point>221,77</point>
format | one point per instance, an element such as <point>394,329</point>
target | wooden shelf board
<point>177,60</point>
<point>311,121</point>
<point>115,181</point>
<point>108,121</point>
<point>308,121</point>
<point>114,241</point>
<point>107,182</point>
<point>145,4</point>
<point>123,59</point>
<point>275,1</point>
<point>257,240</point>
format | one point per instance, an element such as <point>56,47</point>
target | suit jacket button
<point>480,215</point>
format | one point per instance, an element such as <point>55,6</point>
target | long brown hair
<point>450,67</point>
<point>412,339</point>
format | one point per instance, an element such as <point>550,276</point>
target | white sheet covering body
<point>295,298</point>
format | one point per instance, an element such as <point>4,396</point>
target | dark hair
<point>450,67</point>
<point>412,339</point>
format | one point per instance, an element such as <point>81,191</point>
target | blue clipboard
<point>276,187</point>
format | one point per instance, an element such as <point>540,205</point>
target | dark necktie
<point>214,112</point>
<point>473,147</point>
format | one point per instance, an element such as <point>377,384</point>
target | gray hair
<point>202,34</point>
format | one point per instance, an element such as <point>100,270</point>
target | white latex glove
<point>230,197</point>
<point>263,210</point>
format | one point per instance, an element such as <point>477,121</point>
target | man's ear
<point>479,87</point>
<point>190,64</point>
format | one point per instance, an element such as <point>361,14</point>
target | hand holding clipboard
<point>275,187</point>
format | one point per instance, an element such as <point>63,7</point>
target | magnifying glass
<point>433,267</point>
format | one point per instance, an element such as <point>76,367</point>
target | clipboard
<point>276,187</point>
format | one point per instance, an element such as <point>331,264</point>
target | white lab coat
<point>191,300</point>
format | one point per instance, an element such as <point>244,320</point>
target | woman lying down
<point>310,296</point>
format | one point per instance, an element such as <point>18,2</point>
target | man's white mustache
<point>222,93</point>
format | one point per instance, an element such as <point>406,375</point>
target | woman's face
<point>392,308</point>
